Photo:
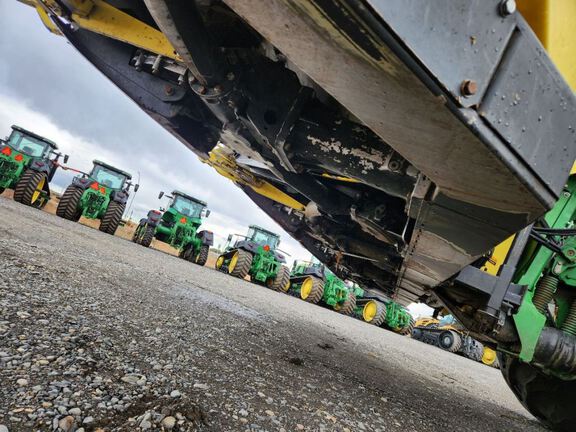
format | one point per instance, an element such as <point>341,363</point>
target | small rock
<point>66,423</point>
<point>3,428</point>
<point>130,379</point>
<point>175,394</point>
<point>88,420</point>
<point>75,411</point>
<point>201,386</point>
<point>145,425</point>
<point>299,426</point>
<point>243,412</point>
<point>168,423</point>
<point>22,382</point>
<point>270,413</point>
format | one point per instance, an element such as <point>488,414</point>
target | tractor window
<point>27,145</point>
<point>263,238</point>
<point>187,207</point>
<point>107,177</point>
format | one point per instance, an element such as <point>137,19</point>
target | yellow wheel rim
<point>306,288</point>
<point>488,356</point>
<point>38,191</point>
<point>337,307</point>
<point>370,310</point>
<point>233,262</point>
<point>287,286</point>
<point>219,261</point>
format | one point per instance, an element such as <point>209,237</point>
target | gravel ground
<point>99,334</point>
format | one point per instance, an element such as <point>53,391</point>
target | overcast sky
<point>48,87</point>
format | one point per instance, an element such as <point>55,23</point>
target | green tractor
<point>386,313</point>
<point>28,163</point>
<point>315,283</point>
<point>101,194</point>
<point>178,227</point>
<point>256,255</point>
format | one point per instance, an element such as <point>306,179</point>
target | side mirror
<point>207,212</point>
<point>136,187</point>
<point>161,194</point>
<point>162,209</point>
<point>229,237</point>
<point>66,158</point>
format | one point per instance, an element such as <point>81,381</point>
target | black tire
<point>112,217</point>
<point>380,315</point>
<point>136,235</point>
<point>407,330</point>
<point>202,256</point>
<point>2,190</point>
<point>26,188</point>
<point>349,305</point>
<point>146,236</point>
<point>317,291</point>
<point>450,341</point>
<point>549,399</point>
<point>68,205</point>
<point>281,282</point>
<point>243,264</point>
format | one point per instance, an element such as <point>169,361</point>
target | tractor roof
<point>110,167</point>
<point>256,227</point>
<point>38,137</point>
<point>190,197</point>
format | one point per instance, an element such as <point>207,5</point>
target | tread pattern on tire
<point>243,264</point>
<point>548,398</point>
<point>68,205</point>
<point>148,235</point>
<point>202,256</point>
<point>380,316</point>
<point>349,305</point>
<point>317,291</point>
<point>281,282</point>
<point>405,331</point>
<point>112,217</point>
<point>26,186</point>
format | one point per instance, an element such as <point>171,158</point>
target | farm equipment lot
<point>103,331</point>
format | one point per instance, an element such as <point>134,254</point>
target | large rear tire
<point>30,188</point>
<point>281,281</point>
<point>68,206</point>
<point>112,217</point>
<point>240,263</point>
<point>312,289</point>
<point>548,398</point>
<point>202,256</point>
<point>407,330</point>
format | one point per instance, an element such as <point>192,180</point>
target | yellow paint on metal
<point>233,262</point>
<point>306,288</point>
<point>553,22</point>
<point>488,356</point>
<point>498,257</point>
<point>223,162</point>
<point>370,310</point>
<point>286,286</point>
<point>39,189</point>
<point>47,21</point>
<point>340,178</point>
<point>573,171</point>
<point>219,261</point>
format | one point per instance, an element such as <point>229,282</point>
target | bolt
<point>570,252</point>
<point>192,79</point>
<point>202,90</point>
<point>169,90</point>
<point>507,7</point>
<point>218,89</point>
<point>230,76</point>
<point>469,87</point>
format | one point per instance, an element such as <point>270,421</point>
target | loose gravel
<point>99,334</point>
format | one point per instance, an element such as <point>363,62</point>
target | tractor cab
<point>109,176</point>
<point>267,239</point>
<point>183,209</point>
<point>305,268</point>
<point>30,144</point>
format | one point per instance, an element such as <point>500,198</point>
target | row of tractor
<point>257,256</point>
<point>29,161</point>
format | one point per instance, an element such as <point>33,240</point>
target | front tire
<point>202,256</point>
<point>30,188</point>
<point>450,341</point>
<point>312,289</point>
<point>112,217</point>
<point>280,282</point>
<point>240,263</point>
<point>348,306</point>
<point>68,205</point>
<point>147,236</point>
<point>374,312</point>
<point>548,398</point>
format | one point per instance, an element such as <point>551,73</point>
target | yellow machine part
<point>369,311</point>
<point>425,322</point>
<point>102,18</point>
<point>226,166</point>
<point>488,356</point>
